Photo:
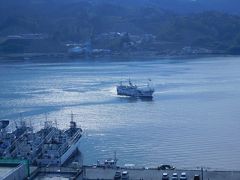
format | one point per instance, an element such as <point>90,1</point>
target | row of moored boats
<point>49,146</point>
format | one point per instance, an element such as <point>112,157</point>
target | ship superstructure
<point>47,147</point>
<point>135,91</point>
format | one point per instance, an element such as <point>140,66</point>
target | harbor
<point>54,153</point>
<point>93,173</point>
<point>154,174</point>
<point>187,124</point>
<point>106,173</point>
<point>119,90</point>
<point>25,152</point>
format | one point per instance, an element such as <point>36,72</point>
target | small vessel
<point>108,163</point>
<point>135,91</point>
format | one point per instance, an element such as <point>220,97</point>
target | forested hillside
<point>80,20</point>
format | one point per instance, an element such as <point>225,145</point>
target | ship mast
<point>72,116</point>
<point>72,123</point>
<point>115,156</point>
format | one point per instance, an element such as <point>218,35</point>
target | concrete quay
<point>91,173</point>
<point>38,173</point>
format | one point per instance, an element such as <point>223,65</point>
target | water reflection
<point>133,99</point>
<point>193,118</point>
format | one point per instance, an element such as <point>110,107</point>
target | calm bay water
<point>193,120</point>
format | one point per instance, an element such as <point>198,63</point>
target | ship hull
<point>59,155</point>
<point>69,152</point>
<point>134,92</point>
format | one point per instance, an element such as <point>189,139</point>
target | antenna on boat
<point>47,124</point>
<point>21,119</point>
<point>72,123</point>
<point>150,85</point>
<point>129,81</point>
<point>115,156</point>
<point>72,116</point>
<point>46,117</point>
<point>15,122</point>
<point>56,123</point>
<point>16,126</point>
<point>30,121</point>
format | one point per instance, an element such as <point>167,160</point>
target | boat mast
<point>115,156</point>
<point>72,123</point>
<point>72,116</point>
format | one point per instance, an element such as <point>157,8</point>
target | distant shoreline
<point>64,57</point>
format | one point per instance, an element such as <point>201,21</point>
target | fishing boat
<point>49,146</point>
<point>135,91</point>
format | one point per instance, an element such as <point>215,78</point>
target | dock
<point>93,173</point>
<point>52,172</point>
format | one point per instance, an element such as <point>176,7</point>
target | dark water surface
<point>193,120</point>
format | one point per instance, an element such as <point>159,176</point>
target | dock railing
<point>17,163</point>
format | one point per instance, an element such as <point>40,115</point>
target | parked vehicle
<point>175,176</point>
<point>183,176</point>
<point>166,167</point>
<point>125,175</point>
<point>197,177</point>
<point>117,175</point>
<point>165,176</point>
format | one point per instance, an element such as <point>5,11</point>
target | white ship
<point>59,146</point>
<point>50,146</point>
<point>135,91</point>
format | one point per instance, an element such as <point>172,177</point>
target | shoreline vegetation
<point>106,29</point>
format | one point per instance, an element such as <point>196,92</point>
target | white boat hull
<point>69,152</point>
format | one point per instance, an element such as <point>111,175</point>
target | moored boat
<point>50,146</point>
